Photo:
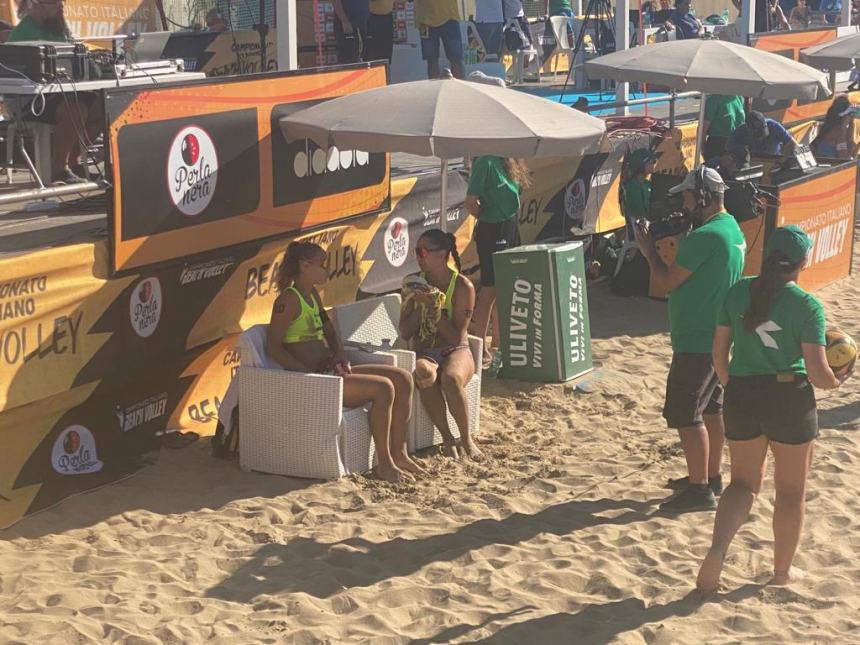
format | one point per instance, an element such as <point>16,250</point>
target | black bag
<point>225,445</point>
<point>633,279</point>
<point>515,39</point>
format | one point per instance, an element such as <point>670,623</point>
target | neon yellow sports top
<point>449,293</point>
<point>307,325</point>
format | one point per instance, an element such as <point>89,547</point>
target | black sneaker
<point>714,483</point>
<point>696,497</point>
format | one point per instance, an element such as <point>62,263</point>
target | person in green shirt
<point>636,192</point>
<point>558,8</point>
<point>44,20</point>
<point>723,114</point>
<point>775,332</point>
<point>710,261</point>
<point>493,197</point>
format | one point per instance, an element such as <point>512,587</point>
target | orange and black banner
<point>789,44</point>
<point>205,166</point>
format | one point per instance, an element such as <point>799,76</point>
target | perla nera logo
<point>192,170</point>
<point>317,161</point>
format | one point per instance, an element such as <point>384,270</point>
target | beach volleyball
<point>841,350</point>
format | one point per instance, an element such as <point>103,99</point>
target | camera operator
<point>710,260</point>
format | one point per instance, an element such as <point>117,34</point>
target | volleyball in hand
<point>841,350</point>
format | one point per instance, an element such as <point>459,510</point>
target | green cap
<point>641,156</point>
<point>792,241</point>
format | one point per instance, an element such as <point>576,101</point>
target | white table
<point>18,93</point>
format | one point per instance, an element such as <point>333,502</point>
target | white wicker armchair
<point>293,423</point>
<point>372,321</point>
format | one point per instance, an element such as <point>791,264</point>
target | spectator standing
<point>380,30</point>
<point>710,261</point>
<point>513,10</point>
<point>798,17</point>
<point>490,21</point>
<point>723,114</point>
<point>493,197</point>
<point>350,29</point>
<point>439,23</point>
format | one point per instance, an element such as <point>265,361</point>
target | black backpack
<point>225,445</point>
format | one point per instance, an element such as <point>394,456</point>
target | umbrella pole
<point>700,131</point>
<point>443,201</point>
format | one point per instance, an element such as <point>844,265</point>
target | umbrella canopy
<point>835,55</point>
<point>448,119</point>
<point>714,67</point>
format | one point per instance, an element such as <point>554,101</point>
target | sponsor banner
<point>823,207</point>
<point>202,167</point>
<point>223,53</point>
<point>789,44</point>
<point>88,18</point>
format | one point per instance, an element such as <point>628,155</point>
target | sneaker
<point>68,177</point>
<point>714,483</point>
<point>696,497</point>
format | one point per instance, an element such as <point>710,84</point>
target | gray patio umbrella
<point>834,55</point>
<point>712,67</point>
<point>448,119</point>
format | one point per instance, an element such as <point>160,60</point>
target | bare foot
<point>404,462</point>
<point>709,574</point>
<point>449,449</point>
<point>782,578</point>
<point>471,450</point>
<point>393,474</point>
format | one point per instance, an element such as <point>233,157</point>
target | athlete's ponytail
<point>297,252</point>
<point>776,270</point>
<point>446,241</point>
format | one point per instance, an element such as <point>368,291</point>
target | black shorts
<point>784,412</point>
<point>692,390</point>
<point>491,237</point>
<point>350,47</point>
<point>380,37</point>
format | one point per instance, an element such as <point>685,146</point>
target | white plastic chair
<point>560,26</point>
<point>294,424</point>
<point>375,320</point>
<point>520,56</point>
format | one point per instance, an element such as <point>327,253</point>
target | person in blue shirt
<point>762,136</point>
<point>684,22</point>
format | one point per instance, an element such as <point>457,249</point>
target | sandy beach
<point>553,539</point>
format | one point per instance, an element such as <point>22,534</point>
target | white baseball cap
<point>712,180</point>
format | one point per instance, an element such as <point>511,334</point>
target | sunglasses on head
<point>422,251</point>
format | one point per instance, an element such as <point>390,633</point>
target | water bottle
<point>495,365</point>
<point>725,16</point>
<point>386,344</point>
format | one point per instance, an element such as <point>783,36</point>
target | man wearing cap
<point>762,136</point>
<point>710,260</point>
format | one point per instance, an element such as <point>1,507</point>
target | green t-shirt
<point>29,29</point>
<point>637,198</point>
<point>714,253</point>
<point>498,194</point>
<point>796,317</point>
<point>724,113</point>
<point>556,6</point>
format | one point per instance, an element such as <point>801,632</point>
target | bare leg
<point>481,320</point>
<point>430,390</point>
<point>63,140</point>
<point>716,439</point>
<point>400,411</point>
<point>748,460</point>
<point>359,389</point>
<point>458,369</point>
<point>791,467</point>
<point>497,330</point>
<point>694,441</point>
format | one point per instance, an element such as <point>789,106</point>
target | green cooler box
<point>543,311</point>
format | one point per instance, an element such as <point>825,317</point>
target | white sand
<point>552,540</point>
